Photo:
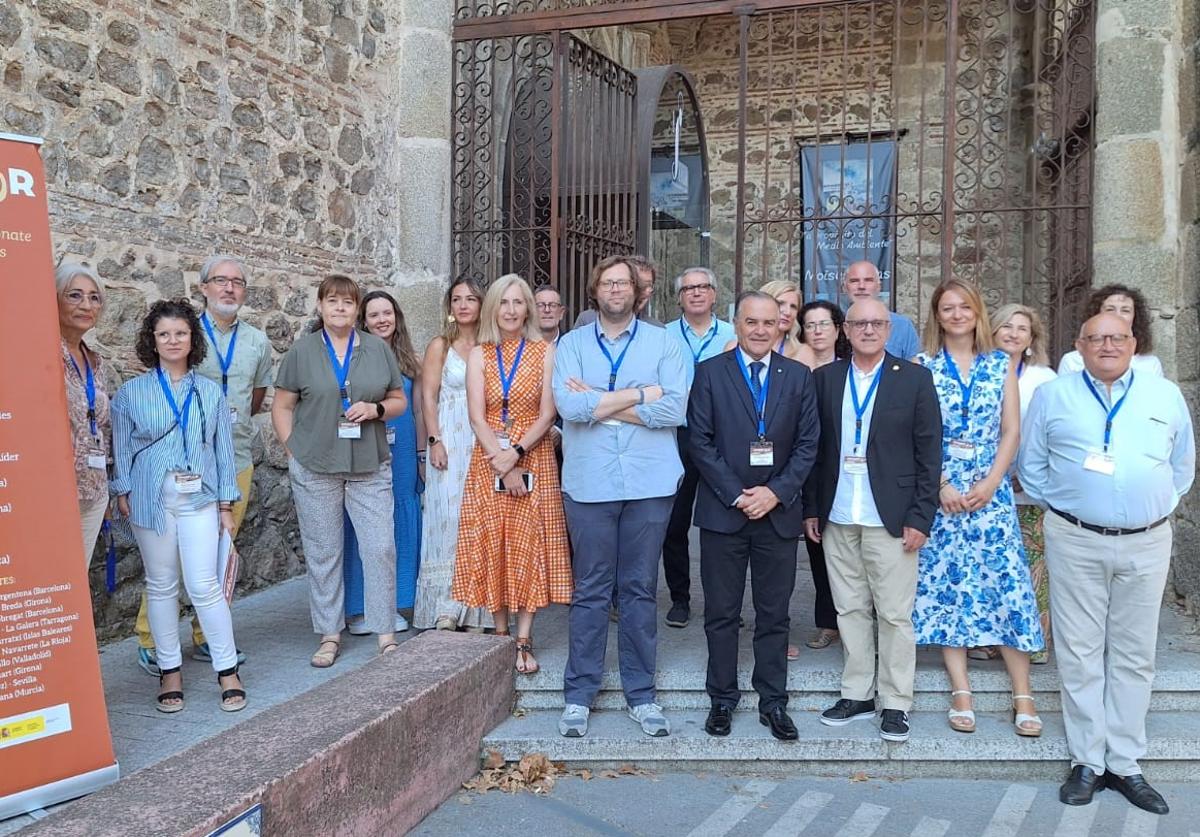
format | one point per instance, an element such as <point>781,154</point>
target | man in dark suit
<point>870,499</point>
<point>753,421</point>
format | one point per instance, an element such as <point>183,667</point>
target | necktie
<point>755,381</point>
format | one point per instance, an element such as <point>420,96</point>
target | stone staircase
<point>993,751</point>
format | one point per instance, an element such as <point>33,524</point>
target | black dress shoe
<point>1137,790</point>
<point>679,615</point>
<point>720,720</point>
<point>1080,786</point>
<point>780,724</point>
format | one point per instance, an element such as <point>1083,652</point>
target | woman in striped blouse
<point>174,479</point>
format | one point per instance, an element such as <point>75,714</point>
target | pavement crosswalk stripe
<point>721,821</point>
<point>863,821</point>
<point>796,818</point>
<point>1140,824</point>
<point>929,827</point>
<point>1076,820</point>
<point>1010,813</point>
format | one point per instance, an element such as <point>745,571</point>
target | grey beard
<point>223,309</point>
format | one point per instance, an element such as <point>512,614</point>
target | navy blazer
<point>904,445</point>
<point>722,424</point>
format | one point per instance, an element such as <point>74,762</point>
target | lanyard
<point>1110,413</point>
<point>966,388</point>
<point>110,557</point>
<point>710,335</point>
<point>227,361</point>
<point>861,409</point>
<point>760,405</point>
<point>615,364</point>
<point>340,371</point>
<point>507,378</point>
<point>1021,368</point>
<point>89,387</point>
<point>181,416</point>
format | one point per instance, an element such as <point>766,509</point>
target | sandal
<point>324,659</point>
<point>238,696</point>
<point>1029,726</point>
<point>388,648</point>
<point>526,664</point>
<point>445,623</point>
<point>986,652</point>
<point>169,708</point>
<point>961,720</point>
<point>823,638</point>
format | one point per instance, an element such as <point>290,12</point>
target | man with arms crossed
<point>861,283</point>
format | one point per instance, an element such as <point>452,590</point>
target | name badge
<point>391,436</point>
<point>97,459</point>
<point>349,430</point>
<point>503,440</point>
<point>762,453</point>
<point>1101,463</point>
<point>854,464</point>
<point>962,449</point>
<point>233,415</point>
<point>187,483</point>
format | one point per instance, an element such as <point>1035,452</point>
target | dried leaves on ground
<point>535,773</point>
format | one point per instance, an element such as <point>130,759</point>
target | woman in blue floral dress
<point>973,585</point>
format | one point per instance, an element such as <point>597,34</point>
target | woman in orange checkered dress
<point>513,551</point>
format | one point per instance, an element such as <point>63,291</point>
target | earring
<point>1028,351</point>
<point>449,318</point>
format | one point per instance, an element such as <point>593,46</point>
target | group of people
<point>558,466</point>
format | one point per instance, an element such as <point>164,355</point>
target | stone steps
<point>993,751</point>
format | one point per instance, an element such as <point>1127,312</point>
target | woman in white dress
<point>1128,304</point>
<point>448,446</point>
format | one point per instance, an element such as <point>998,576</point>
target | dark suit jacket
<point>722,424</point>
<point>904,445</point>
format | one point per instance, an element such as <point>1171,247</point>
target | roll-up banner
<point>54,738</point>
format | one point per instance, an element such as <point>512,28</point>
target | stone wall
<point>306,137</point>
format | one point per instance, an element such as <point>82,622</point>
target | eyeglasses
<point>77,297</point>
<point>549,306</point>
<point>701,287</point>
<point>226,281</point>
<point>1097,340</point>
<point>863,325</point>
<point>615,284</point>
<point>818,325</point>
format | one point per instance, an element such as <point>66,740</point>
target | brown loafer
<point>823,638</point>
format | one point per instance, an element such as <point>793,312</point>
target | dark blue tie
<point>755,381</point>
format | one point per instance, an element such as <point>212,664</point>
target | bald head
<point>862,281</point>
<point>1107,346</point>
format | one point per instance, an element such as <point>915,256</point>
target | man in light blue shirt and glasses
<point>620,386</point>
<point>1109,453</point>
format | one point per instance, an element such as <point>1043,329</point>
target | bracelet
<point>944,483</point>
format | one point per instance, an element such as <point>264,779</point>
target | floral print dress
<point>973,585</point>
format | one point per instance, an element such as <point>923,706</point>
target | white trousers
<point>91,516</point>
<point>189,541</point>
<point>1104,606</point>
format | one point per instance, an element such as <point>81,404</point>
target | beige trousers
<point>1104,606</point>
<point>869,572</point>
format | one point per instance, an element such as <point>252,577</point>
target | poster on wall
<point>848,187</point>
<point>54,737</point>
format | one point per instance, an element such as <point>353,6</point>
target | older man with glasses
<point>239,359</point>
<point>1109,454</point>
<point>549,312</point>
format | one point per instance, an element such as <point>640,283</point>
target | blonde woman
<point>787,294</point>
<point>512,535</point>
<point>448,444</point>
<point>973,586</point>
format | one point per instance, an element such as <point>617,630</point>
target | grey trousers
<point>367,498</point>
<point>618,542</point>
<point>1104,606</point>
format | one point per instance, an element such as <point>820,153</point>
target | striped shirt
<point>250,369</point>
<point>143,421</point>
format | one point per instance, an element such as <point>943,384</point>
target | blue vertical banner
<point>848,191</point>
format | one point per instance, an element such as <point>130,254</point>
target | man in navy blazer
<point>753,421</point>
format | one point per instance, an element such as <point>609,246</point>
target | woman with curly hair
<point>175,480</point>
<point>1128,304</point>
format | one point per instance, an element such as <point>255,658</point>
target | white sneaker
<point>574,721</point>
<point>401,624</point>
<point>358,627</point>
<point>650,717</point>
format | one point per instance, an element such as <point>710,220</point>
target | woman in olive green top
<point>335,390</point>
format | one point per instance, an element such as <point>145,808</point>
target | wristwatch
<point>379,409</point>
<point>641,395</point>
<point>433,440</point>
<point>519,448</point>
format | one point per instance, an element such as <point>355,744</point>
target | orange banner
<point>54,737</point>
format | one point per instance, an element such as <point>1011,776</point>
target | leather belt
<point>1106,530</point>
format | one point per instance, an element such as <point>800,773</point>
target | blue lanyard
<point>1021,368</point>
<point>1110,413</point>
<point>615,365</point>
<point>507,378</point>
<point>966,388</point>
<point>711,335</point>
<point>89,387</point>
<point>110,557</point>
<point>227,361</point>
<point>760,406</point>
<point>861,409</point>
<point>340,371</point>
<point>181,416</point>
